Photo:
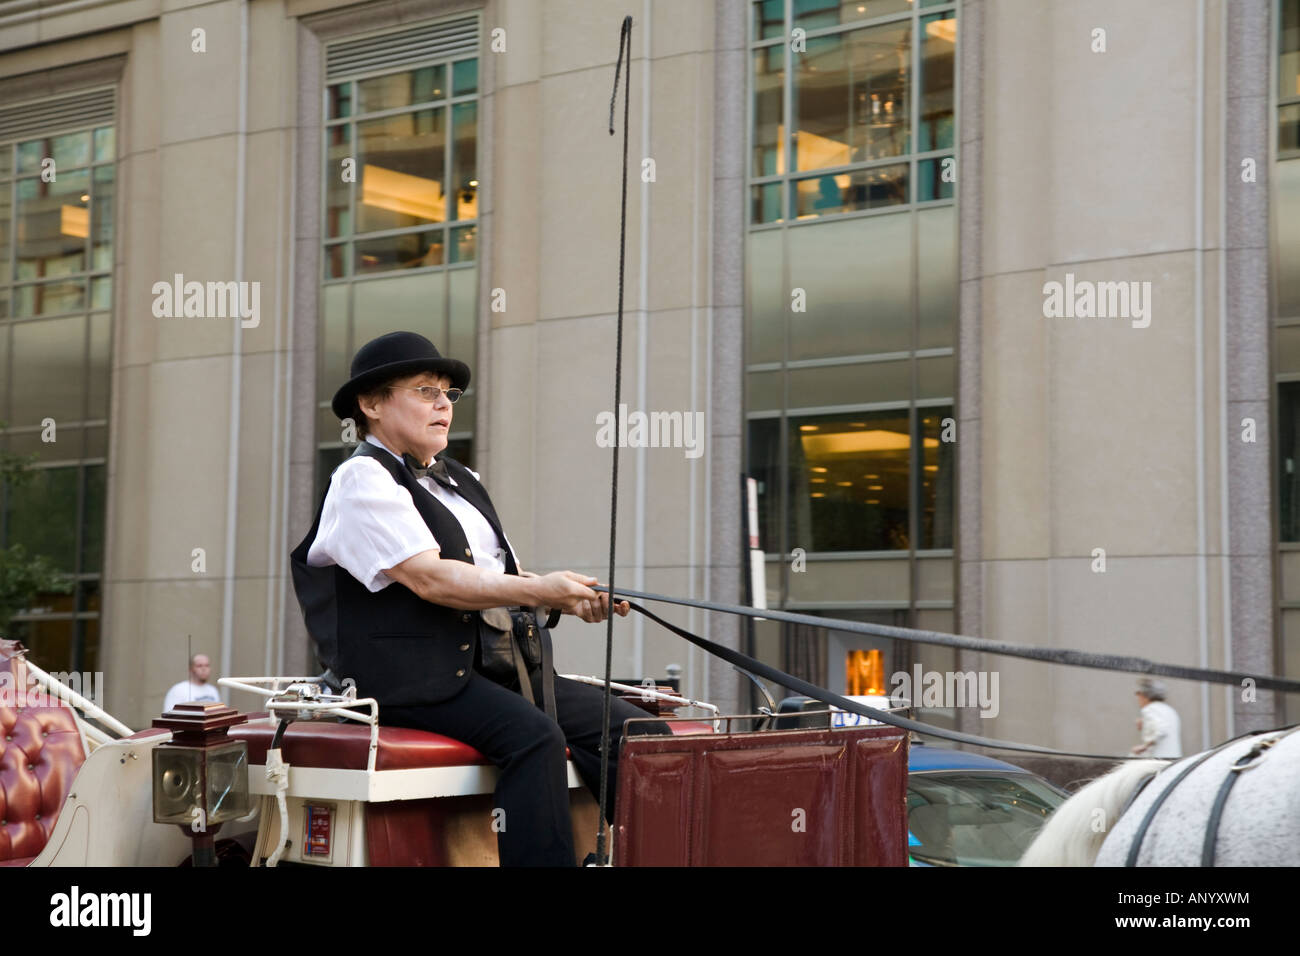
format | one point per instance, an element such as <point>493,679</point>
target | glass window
<point>338,191</point>
<point>401,89</point>
<point>769,19</point>
<point>848,192</point>
<point>1288,61</point>
<point>56,261</point>
<point>856,275</point>
<point>1286,226</point>
<point>53,223</point>
<point>768,301</point>
<point>849,481</point>
<point>464,159</point>
<point>49,378</point>
<point>1288,484</point>
<point>765,468</point>
<point>768,133</point>
<point>815,14</point>
<point>938,55</point>
<point>938,463</point>
<point>400,169</point>
<point>391,235</point>
<point>42,516</point>
<point>936,283</point>
<point>465,77</point>
<point>852,96</point>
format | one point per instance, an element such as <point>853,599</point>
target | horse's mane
<point>1069,838</point>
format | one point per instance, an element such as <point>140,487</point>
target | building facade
<point>993,298</point>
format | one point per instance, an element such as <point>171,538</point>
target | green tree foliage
<point>23,576</point>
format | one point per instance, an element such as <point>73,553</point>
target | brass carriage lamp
<point>200,777</point>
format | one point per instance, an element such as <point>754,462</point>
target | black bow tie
<point>437,470</point>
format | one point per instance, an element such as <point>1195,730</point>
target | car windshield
<point>971,818</point>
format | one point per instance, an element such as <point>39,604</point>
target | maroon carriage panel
<point>782,798</point>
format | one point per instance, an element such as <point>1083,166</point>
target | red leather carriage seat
<point>39,756</point>
<point>347,746</point>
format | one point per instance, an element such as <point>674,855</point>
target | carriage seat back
<point>39,757</point>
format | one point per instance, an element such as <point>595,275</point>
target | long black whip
<point>624,42</point>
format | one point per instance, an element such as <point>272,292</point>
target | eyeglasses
<point>430,393</point>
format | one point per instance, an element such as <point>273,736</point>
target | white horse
<point>1258,822</point>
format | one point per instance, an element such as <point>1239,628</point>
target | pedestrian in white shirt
<point>1159,725</point>
<point>196,687</point>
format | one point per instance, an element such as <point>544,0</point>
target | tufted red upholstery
<point>41,754</point>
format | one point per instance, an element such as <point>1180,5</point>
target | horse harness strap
<point>1142,785</point>
<point>1247,760</point>
<point>1207,851</point>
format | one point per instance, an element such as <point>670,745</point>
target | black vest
<point>399,648</point>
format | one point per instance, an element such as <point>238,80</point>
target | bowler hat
<point>392,356</point>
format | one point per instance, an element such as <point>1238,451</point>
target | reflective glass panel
<point>105,144</point>
<point>769,19</point>
<point>938,55</point>
<point>852,96</point>
<point>814,14</point>
<point>1288,457</point>
<point>92,545</point>
<point>101,218</point>
<point>1286,199</point>
<point>935,178</point>
<point>412,250</point>
<point>401,89</point>
<point>768,130</point>
<point>850,192</point>
<point>938,468</point>
<point>765,203</point>
<point>400,171</point>
<point>462,337</point>
<point>464,244</point>
<point>1288,61</point>
<point>864,383</point>
<point>50,298</point>
<point>936,290</point>
<point>464,77</point>
<point>1288,127</point>
<point>765,467</point>
<point>49,375</point>
<point>336,261</point>
<point>768,302</point>
<point>338,192</point>
<point>332,345</point>
<point>411,303</point>
<point>857,276</point>
<point>52,225</point>
<point>42,516</point>
<point>97,372</point>
<point>464,159</point>
<point>849,481</point>
<point>70,150</point>
<point>339,97</point>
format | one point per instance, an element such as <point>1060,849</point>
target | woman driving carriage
<point>405,555</point>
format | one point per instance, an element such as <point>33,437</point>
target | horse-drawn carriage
<point>317,780</point>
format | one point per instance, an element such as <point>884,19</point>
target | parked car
<point>966,809</point>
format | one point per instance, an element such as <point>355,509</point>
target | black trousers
<point>528,749</point>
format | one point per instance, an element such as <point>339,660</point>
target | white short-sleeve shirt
<point>369,522</point>
<point>1161,730</point>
